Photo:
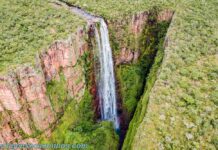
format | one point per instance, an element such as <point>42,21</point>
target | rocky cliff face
<point>136,25</point>
<point>127,56</point>
<point>24,105</point>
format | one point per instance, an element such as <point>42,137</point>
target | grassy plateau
<point>29,26</point>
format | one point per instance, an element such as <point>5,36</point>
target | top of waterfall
<point>85,15</point>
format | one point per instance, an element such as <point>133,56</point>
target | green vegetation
<point>28,26</point>
<point>132,77</point>
<point>77,127</point>
<point>142,104</point>
<point>131,84</point>
<point>57,93</point>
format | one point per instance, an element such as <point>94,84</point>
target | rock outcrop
<point>127,56</point>
<point>24,104</point>
<point>165,15</point>
<point>136,26</point>
<point>63,56</point>
<point>138,22</point>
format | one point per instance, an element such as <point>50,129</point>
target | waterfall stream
<point>105,72</point>
<point>106,83</point>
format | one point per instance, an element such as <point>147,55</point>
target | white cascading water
<point>106,83</point>
<point>106,79</point>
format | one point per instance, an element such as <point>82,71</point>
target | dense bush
<point>78,127</point>
<point>57,93</point>
<point>131,84</point>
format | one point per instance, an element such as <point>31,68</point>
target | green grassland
<point>28,26</point>
<point>118,9</point>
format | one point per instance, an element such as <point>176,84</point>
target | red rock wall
<point>138,22</point>
<point>165,15</point>
<point>24,104</point>
<point>126,56</point>
<point>137,25</point>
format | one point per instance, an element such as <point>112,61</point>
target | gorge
<point>148,30</point>
<point>107,75</point>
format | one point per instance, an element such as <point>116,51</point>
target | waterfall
<point>106,80</point>
<point>105,72</point>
